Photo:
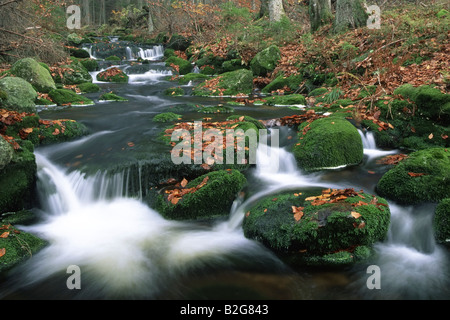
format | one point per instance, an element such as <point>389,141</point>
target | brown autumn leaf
<point>4,234</point>
<point>355,214</point>
<point>175,200</point>
<point>184,182</point>
<point>2,252</point>
<point>430,136</point>
<point>298,212</point>
<point>413,174</point>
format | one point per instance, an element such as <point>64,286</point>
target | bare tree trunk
<point>276,10</point>
<point>151,26</point>
<point>264,9</point>
<point>350,14</point>
<point>87,12</point>
<point>319,13</point>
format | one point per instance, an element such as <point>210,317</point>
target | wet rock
<point>265,61</point>
<point>422,177</point>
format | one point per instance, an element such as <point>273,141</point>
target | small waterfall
<point>129,54</point>
<point>91,54</point>
<point>124,248</point>
<point>370,147</point>
<point>155,53</point>
<point>412,265</point>
<point>196,69</point>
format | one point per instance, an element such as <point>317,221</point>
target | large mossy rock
<point>422,177</point>
<point>330,227</point>
<point>292,82</point>
<point>33,72</point>
<point>265,61</point>
<point>20,95</point>
<point>286,100</point>
<point>207,196</point>
<point>6,152</point>
<point>68,97</point>
<point>17,179</point>
<point>183,66</point>
<point>431,102</point>
<point>328,143</point>
<point>441,222</point>
<point>74,73</point>
<point>228,83</point>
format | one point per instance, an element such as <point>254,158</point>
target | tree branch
<point>8,2</point>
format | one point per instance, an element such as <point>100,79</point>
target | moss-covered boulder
<point>20,95</point>
<point>197,77</point>
<point>280,82</point>
<point>207,196</point>
<point>328,143</point>
<point>166,117</point>
<point>228,83</point>
<point>181,65</point>
<point>109,96</point>
<point>217,109</point>
<point>286,100</point>
<point>90,64</point>
<point>17,179</point>
<point>113,75</point>
<point>441,222</point>
<point>79,53</point>
<point>63,97</point>
<point>430,101</point>
<point>17,246</point>
<point>33,72</point>
<point>88,87</point>
<point>265,61</point>
<point>319,226</point>
<point>174,91</point>
<point>423,177</point>
<point>6,152</point>
<point>72,73</point>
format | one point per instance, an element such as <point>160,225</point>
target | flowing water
<point>127,250</point>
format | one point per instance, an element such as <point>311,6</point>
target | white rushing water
<point>370,146</point>
<point>123,247</point>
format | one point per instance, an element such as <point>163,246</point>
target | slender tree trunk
<point>87,13</point>
<point>264,9</point>
<point>319,13</point>
<point>350,14</point>
<point>151,26</point>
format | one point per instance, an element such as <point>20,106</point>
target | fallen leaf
<point>355,214</point>
<point>430,136</point>
<point>184,182</point>
<point>298,213</point>
<point>2,252</point>
<point>412,174</point>
<point>4,234</point>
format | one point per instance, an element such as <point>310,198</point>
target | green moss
<point>228,83</point>
<point>174,91</point>
<point>441,221</point>
<point>20,95</point>
<point>90,64</point>
<point>88,87</point>
<point>17,180</point>
<point>318,92</point>
<point>443,14</point>
<point>111,97</point>
<point>286,100</point>
<point>323,230</point>
<point>169,53</point>
<point>65,97</point>
<point>330,142</point>
<point>34,73</point>
<point>43,102</point>
<point>166,117</point>
<point>232,65</point>
<point>19,246</point>
<point>192,77</point>
<point>79,53</point>
<point>213,199</point>
<point>112,58</point>
<point>184,66</point>
<point>292,82</point>
<point>68,130</point>
<point>74,73</point>
<point>265,61</point>
<point>258,124</point>
<point>431,186</point>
